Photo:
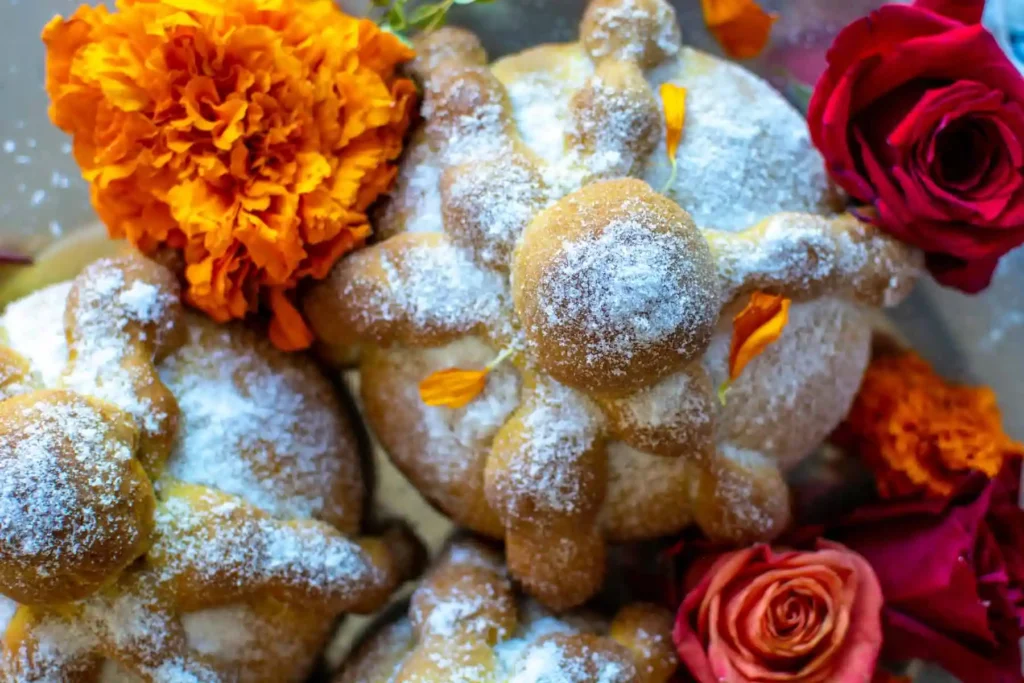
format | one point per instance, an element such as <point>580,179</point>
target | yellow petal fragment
<point>453,388</point>
<point>673,100</point>
<point>755,328</point>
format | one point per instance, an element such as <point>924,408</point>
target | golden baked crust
<point>467,624</point>
<point>175,496</point>
<point>526,219</point>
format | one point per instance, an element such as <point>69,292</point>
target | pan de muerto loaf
<point>537,219</point>
<point>176,498</point>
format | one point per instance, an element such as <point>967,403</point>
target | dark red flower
<point>921,114</point>
<point>952,575</point>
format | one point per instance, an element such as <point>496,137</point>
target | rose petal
<point>746,608</point>
<point>908,638</point>
<point>833,138</point>
<point>966,11</point>
<point>943,58</point>
<point>862,644</point>
<point>970,277</point>
<point>888,198</point>
<point>697,610</point>
<point>937,104</point>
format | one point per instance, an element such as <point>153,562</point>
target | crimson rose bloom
<point>760,615</point>
<point>952,574</point>
<point>921,114</point>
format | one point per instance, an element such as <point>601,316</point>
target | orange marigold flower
<point>252,135</point>
<point>919,433</point>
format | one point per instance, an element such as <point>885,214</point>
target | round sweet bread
<point>537,214</point>
<point>176,497</point>
<point>466,624</point>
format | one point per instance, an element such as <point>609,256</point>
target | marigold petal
<point>755,328</point>
<point>288,329</point>
<point>673,99</point>
<point>453,388</point>
<point>741,27</point>
<point>918,433</point>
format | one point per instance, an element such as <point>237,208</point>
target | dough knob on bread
<point>447,44</point>
<point>76,506</point>
<point>643,31</point>
<point>615,287</point>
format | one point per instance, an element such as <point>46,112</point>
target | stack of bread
<point>178,501</point>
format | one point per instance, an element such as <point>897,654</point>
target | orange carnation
<point>919,433</point>
<point>252,135</point>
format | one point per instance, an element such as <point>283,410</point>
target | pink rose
<point>952,574</point>
<point>785,616</point>
<point>921,114</point>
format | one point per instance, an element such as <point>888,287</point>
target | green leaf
<point>424,14</point>
<point>437,22</point>
<point>394,20</point>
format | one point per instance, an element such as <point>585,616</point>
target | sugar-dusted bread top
<point>466,624</point>
<point>175,496</point>
<point>533,221</point>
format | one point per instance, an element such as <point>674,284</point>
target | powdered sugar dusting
<point>562,427</point>
<point>465,610</point>
<point>745,153</point>
<point>467,116</point>
<point>129,624</point>
<point>57,642</point>
<point>808,250</point>
<point>626,289</point>
<point>415,204</point>
<point>613,128</point>
<point>619,17</point>
<point>273,425</point>
<point>499,200</point>
<point>444,447</point>
<point>647,495</point>
<point>677,404</point>
<point>478,422</point>
<point>13,382</point>
<point>546,124</point>
<point>103,340</point>
<point>34,327</point>
<point>441,287</point>
<point>215,542</point>
<point>61,487</point>
<point>549,662</point>
<point>736,489</point>
<point>214,632</point>
<point>509,652</point>
<point>540,99</point>
<point>813,370</point>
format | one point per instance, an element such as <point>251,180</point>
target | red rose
<point>789,616</point>
<point>952,574</point>
<point>921,114</point>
